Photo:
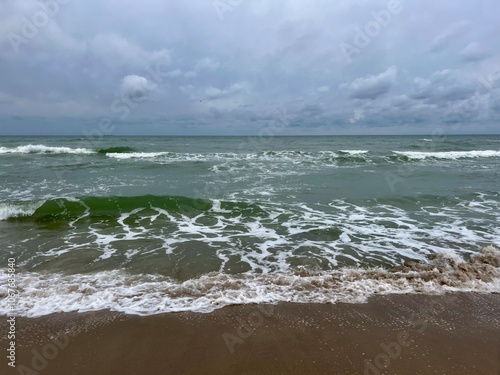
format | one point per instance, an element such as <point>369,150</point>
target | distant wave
<point>136,155</point>
<point>284,155</point>
<point>315,157</point>
<point>451,155</point>
<point>42,149</point>
<point>318,157</point>
<point>46,293</point>
<point>116,150</point>
<point>353,152</point>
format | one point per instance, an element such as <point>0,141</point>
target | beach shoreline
<point>456,333</point>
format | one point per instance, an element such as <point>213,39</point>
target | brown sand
<point>407,334</point>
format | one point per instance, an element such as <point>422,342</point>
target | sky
<point>249,67</point>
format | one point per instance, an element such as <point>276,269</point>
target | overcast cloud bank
<point>182,68</point>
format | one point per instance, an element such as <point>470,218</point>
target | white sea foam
<point>163,156</point>
<point>42,149</point>
<point>277,237</point>
<point>136,155</point>
<point>355,152</point>
<point>46,293</point>
<point>283,155</point>
<point>9,210</point>
<point>451,155</point>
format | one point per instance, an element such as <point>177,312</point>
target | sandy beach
<point>396,334</point>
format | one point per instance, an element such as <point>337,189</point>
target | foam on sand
<point>46,293</point>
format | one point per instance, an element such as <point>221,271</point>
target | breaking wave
<point>46,293</point>
<point>42,149</point>
<point>450,155</point>
<point>317,157</point>
<point>354,156</point>
<point>116,150</point>
<point>15,210</point>
<point>69,208</point>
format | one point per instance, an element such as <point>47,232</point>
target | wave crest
<point>450,155</point>
<point>42,149</point>
<point>116,150</point>
<point>68,208</point>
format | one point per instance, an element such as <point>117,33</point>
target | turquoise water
<point>176,210</point>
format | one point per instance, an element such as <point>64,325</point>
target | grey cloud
<point>117,50</point>
<point>442,41</point>
<point>135,87</point>
<point>311,110</point>
<point>190,74</point>
<point>216,93</point>
<point>174,73</point>
<point>370,87</point>
<point>442,86</point>
<point>473,52</point>
<point>495,102</point>
<point>207,64</point>
<point>5,98</point>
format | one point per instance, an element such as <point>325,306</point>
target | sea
<point>147,225</point>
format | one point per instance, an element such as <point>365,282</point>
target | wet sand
<point>397,334</point>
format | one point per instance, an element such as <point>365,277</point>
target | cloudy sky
<point>229,67</point>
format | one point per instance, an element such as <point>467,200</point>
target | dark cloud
<point>311,110</point>
<point>442,86</point>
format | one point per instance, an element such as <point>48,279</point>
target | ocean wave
<point>46,293</point>
<point>58,209</point>
<point>353,152</point>
<point>16,210</point>
<point>449,155</point>
<point>317,158</point>
<point>42,149</point>
<point>257,236</point>
<point>137,155</point>
<point>116,150</point>
<point>272,156</point>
